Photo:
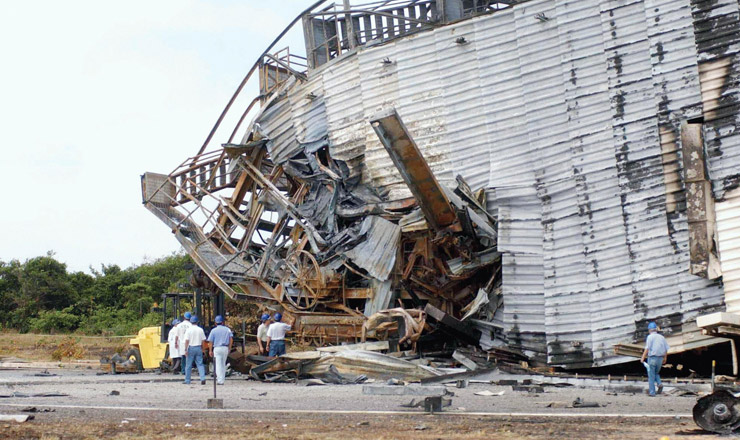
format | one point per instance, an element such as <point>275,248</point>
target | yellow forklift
<point>149,349</point>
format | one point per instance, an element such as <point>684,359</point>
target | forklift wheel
<point>134,355</point>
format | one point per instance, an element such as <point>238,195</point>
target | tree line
<point>41,295</point>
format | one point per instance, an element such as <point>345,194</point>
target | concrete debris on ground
<point>15,418</point>
<point>17,394</point>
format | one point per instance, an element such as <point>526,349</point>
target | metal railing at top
<point>336,29</point>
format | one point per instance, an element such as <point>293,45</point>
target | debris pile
<point>301,229</point>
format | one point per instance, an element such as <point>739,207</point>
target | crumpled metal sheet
<point>382,295</point>
<point>372,364</point>
<point>377,253</point>
<point>480,300</point>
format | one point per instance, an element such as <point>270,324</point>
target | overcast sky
<point>94,93</point>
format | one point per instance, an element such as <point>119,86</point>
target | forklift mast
<point>205,305</point>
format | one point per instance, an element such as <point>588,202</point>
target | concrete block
<point>215,404</point>
<point>407,390</point>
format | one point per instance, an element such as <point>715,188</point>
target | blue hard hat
<point>264,317</point>
<point>188,315</point>
<point>175,321</point>
<point>652,326</point>
<point>219,319</point>
<point>277,317</point>
<point>194,319</point>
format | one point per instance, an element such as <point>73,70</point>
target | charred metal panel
<point>377,253</point>
<point>413,167</point>
<point>276,124</point>
<point>699,205</point>
<point>309,112</point>
<point>717,31</point>
<point>674,61</point>
<point>636,147</point>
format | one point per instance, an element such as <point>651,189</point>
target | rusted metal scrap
<point>350,366</point>
<point>413,324</point>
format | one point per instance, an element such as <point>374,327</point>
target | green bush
<point>55,321</point>
<point>110,322</point>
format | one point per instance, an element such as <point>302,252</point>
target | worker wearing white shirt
<point>262,345</point>
<point>182,328</point>
<point>220,340</point>
<point>194,339</point>
<point>276,336</point>
<point>174,352</point>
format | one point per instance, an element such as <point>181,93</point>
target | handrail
<point>251,71</point>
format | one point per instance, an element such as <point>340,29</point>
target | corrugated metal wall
<point>579,102</point>
<point>728,227</point>
<point>520,241</point>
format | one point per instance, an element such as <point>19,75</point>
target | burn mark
<point>660,51</point>
<point>618,63</point>
<point>663,103</point>
<point>618,100</point>
<point>731,182</point>
<point>714,32</point>
<point>669,324</point>
<point>572,353</point>
<point>715,35</point>
<point>673,218</point>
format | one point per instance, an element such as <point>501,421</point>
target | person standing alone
<point>195,338</point>
<point>656,353</point>
<point>220,340</point>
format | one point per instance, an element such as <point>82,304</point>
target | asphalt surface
<point>23,388</point>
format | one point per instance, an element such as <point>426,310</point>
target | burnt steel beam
<point>414,169</point>
<point>454,326</point>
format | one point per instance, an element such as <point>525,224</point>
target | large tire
<point>134,355</point>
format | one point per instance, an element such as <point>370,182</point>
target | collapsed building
<point>555,173</point>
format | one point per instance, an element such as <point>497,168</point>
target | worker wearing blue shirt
<point>220,339</point>
<point>656,353</point>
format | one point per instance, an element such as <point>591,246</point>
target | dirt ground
<point>150,406</point>
<point>69,424</point>
<point>32,347</point>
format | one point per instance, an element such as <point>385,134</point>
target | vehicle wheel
<point>134,356</point>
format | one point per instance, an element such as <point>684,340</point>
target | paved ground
<point>152,402</point>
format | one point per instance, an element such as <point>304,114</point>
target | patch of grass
<point>33,347</point>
